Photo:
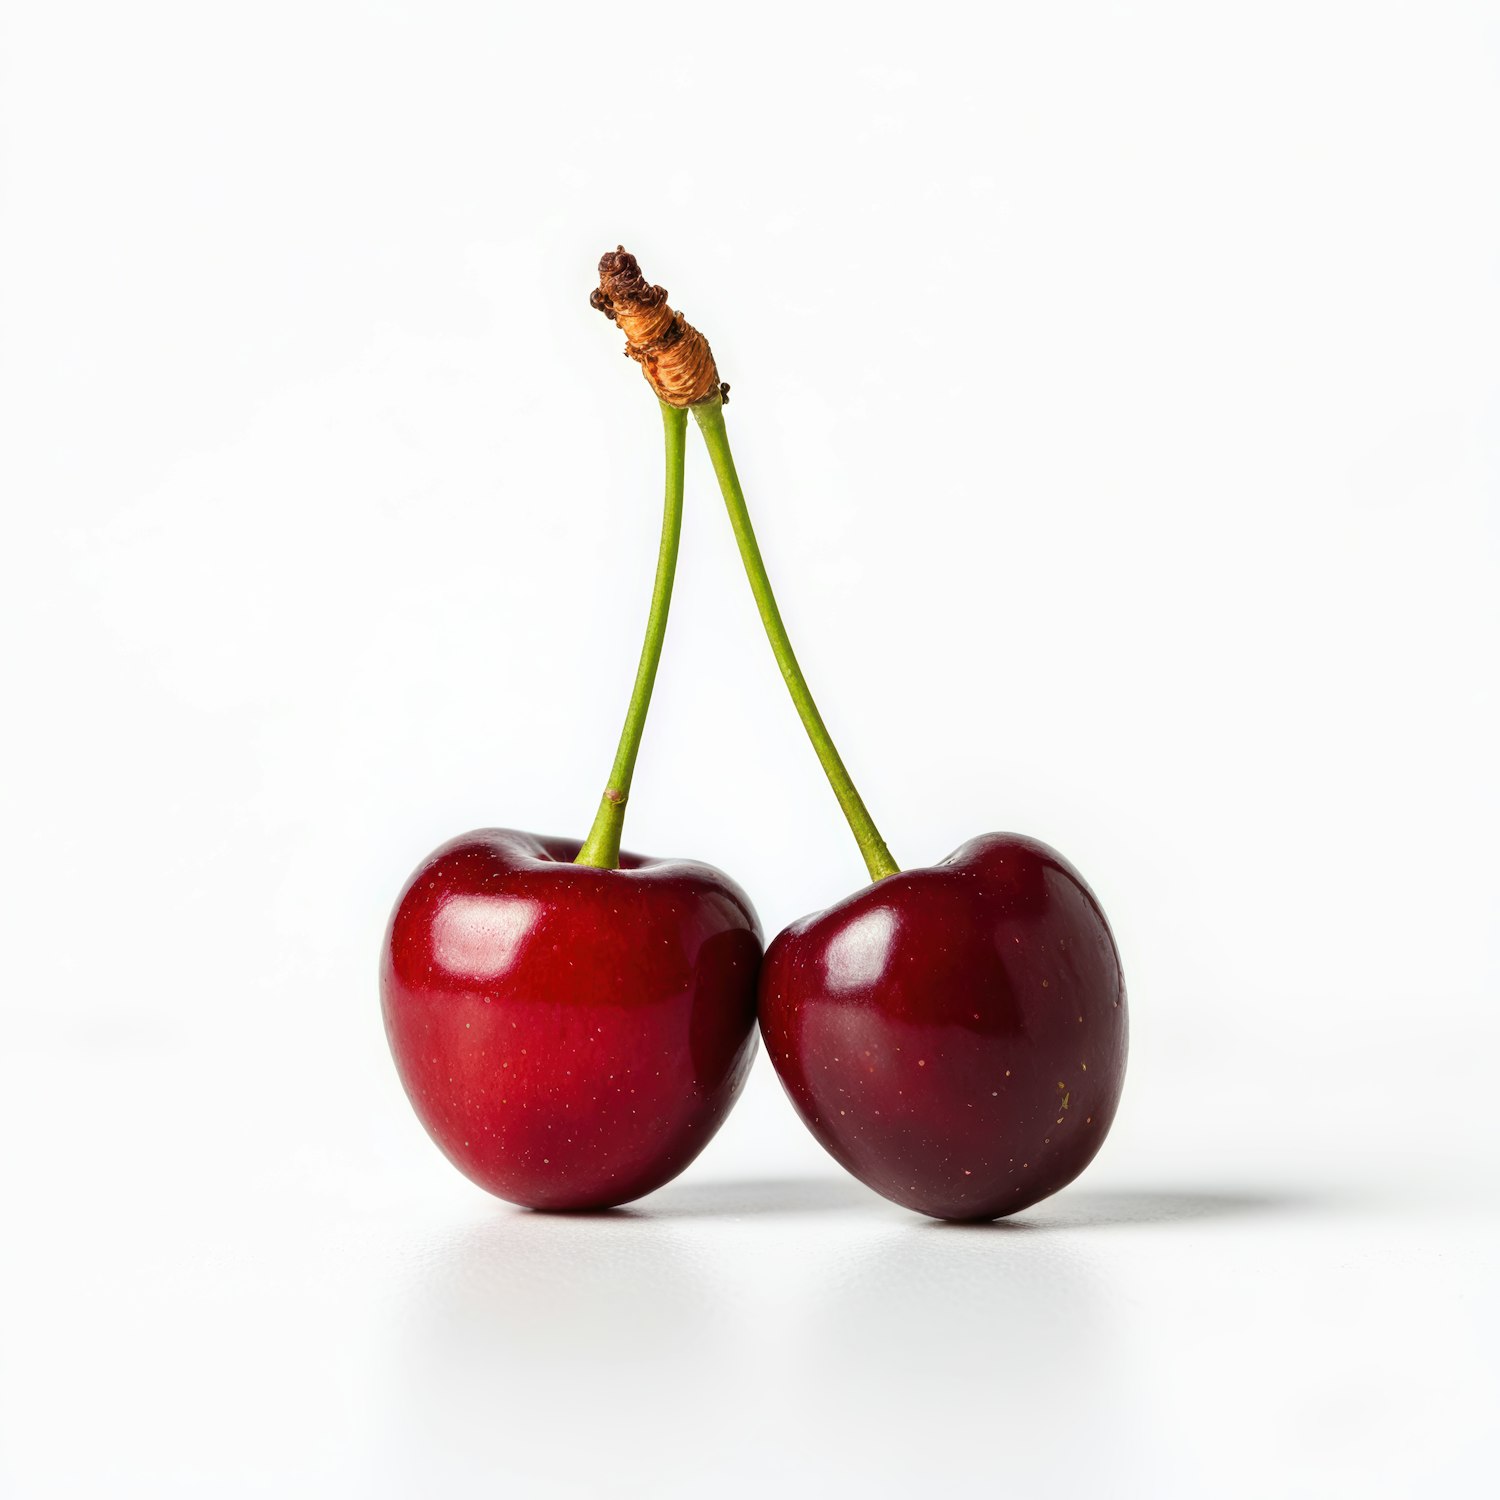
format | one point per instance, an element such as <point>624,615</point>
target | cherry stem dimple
<point>601,849</point>
<point>710,416</point>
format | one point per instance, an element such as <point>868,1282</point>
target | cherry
<point>572,1024</point>
<point>571,1037</point>
<point>954,1036</point>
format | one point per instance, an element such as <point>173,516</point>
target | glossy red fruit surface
<point>571,1037</point>
<point>954,1036</point>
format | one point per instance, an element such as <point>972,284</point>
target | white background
<point>1115,388</point>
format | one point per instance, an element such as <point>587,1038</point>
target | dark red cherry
<point>571,1037</point>
<point>954,1036</point>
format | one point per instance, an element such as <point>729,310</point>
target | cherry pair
<point>572,1024</point>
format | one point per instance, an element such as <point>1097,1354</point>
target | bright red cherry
<point>571,1037</point>
<point>572,1024</point>
<point>955,1036</point>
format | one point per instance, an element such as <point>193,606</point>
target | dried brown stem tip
<point>673,355</point>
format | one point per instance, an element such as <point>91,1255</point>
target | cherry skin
<point>954,1036</point>
<point>571,1037</point>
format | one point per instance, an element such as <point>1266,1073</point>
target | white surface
<point>1115,389</point>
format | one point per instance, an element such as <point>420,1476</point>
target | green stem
<point>602,847</point>
<point>878,861</point>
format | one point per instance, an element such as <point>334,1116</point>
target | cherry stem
<point>878,861</point>
<point>601,849</point>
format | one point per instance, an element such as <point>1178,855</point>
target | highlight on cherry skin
<point>955,1036</point>
<point>570,1036</point>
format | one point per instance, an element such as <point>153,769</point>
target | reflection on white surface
<point>857,955</point>
<point>479,936</point>
<point>907,1349</point>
